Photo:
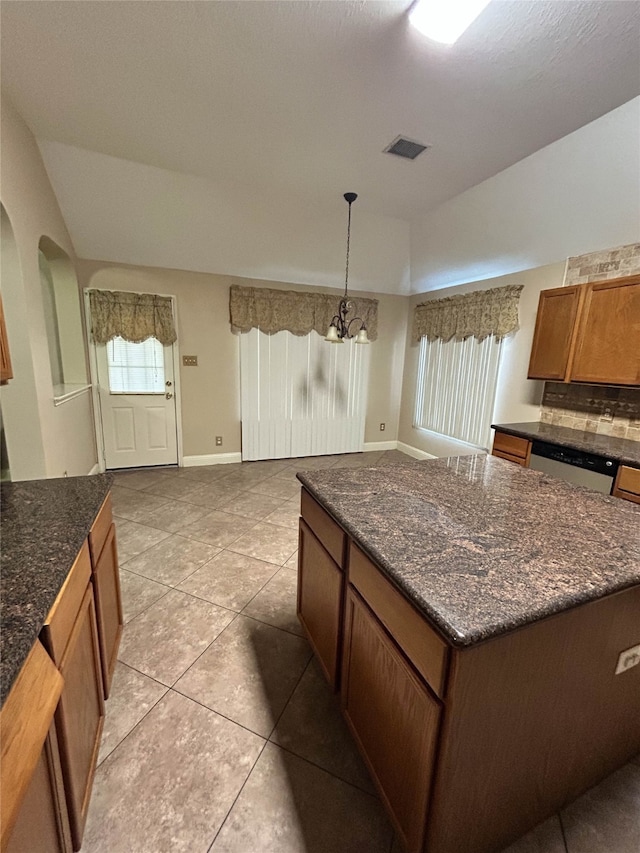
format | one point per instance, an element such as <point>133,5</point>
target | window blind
<point>456,387</point>
<point>135,368</point>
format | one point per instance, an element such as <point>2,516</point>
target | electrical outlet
<point>218,441</point>
<point>189,360</point>
<point>382,427</point>
<point>607,415</point>
<point>627,659</point>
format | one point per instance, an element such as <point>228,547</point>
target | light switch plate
<point>627,659</point>
<point>189,360</point>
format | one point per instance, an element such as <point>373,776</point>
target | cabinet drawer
<point>517,459</point>
<point>62,616</point>
<point>330,534</point>
<point>627,483</point>
<point>100,529</point>
<point>513,445</point>
<point>425,649</point>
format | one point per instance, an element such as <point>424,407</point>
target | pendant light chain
<point>346,275</point>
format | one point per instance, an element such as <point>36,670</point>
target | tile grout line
<point>563,833</point>
<point>267,741</point>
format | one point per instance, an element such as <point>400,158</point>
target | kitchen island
<point>473,617</point>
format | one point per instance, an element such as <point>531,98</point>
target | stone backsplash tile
<point>604,265</point>
<point>593,408</point>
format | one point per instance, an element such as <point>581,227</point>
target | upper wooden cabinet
<point>6,371</point>
<point>589,333</point>
<point>555,332</point>
<point>608,343</point>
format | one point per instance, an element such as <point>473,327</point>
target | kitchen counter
<point>482,546</point>
<point>44,524</point>
<point>617,449</point>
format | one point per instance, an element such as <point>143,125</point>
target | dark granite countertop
<point>618,449</point>
<point>43,526</point>
<point>480,545</point>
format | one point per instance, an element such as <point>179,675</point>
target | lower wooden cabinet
<point>512,447</point>
<point>106,587</point>
<point>627,484</point>
<point>70,635</point>
<point>80,715</point>
<point>393,717</point>
<point>320,592</point>
<point>42,824</point>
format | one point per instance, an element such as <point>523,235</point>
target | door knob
<point>168,395</point>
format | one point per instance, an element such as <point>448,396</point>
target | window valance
<point>478,314</point>
<point>297,312</point>
<point>132,316</point>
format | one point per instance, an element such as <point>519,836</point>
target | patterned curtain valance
<point>478,314</point>
<point>132,316</point>
<point>274,311</point>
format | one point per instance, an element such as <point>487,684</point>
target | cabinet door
<point>608,347</point>
<point>393,718</point>
<point>320,589</point>
<point>555,331</point>
<point>80,715</point>
<point>106,587</point>
<point>42,825</point>
<point>6,371</point>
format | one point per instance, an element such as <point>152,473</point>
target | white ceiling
<point>301,97</point>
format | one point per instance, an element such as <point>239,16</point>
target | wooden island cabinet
<point>51,721</point>
<point>469,747</point>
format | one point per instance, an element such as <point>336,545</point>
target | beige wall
<point>211,391</point>
<point>517,398</point>
<point>43,440</point>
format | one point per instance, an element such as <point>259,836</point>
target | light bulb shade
<point>362,337</point>
<point>332,335</point>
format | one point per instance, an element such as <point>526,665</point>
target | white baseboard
<point>414,451</point>
<point>94,470</point>
<point>211,459</point>
<point>379,445</point>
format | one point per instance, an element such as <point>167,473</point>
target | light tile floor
<point>221,734</point>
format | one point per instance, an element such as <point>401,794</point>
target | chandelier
<point>339,328</point>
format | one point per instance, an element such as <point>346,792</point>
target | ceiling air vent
<point>407,148</point>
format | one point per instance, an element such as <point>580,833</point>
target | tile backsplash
<point>604,265</point>
<point>593,408</point>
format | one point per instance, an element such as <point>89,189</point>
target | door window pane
<point>136,368</point>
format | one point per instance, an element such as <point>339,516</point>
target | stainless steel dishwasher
<point>575,466</point>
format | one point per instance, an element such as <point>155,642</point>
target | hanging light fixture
<point>339,329</point>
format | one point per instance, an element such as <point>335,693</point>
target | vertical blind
<point>456,387</point>
<point>301,396</point>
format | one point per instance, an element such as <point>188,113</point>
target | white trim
<point>68,392</point>
<point>368,446</point>
<point>93,374</point>
<point>211,459</point>
<point>94,470</point>
<point>414,451</point>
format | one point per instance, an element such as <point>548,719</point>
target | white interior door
<point>137,403</point>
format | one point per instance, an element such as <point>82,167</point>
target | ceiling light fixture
<point>339,329</point>
<point>445,20</point>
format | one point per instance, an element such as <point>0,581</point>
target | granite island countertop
<point>43,524</point>
<point>482,546</point>
<point>617,449</point>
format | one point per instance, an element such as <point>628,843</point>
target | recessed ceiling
<point>303,97</point>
